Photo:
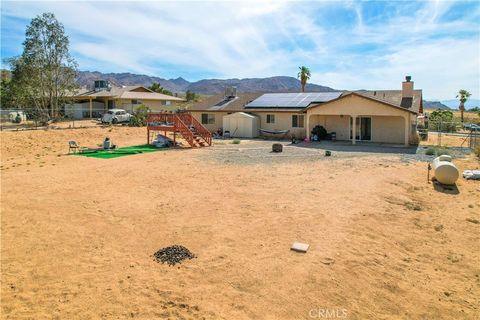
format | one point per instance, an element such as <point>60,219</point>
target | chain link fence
<point>450,134</point>
<point>28,119</point>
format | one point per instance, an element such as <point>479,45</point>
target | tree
<point>5,93</point>
<point>44,75</point>
<point>463,96</point>
<point>191,96</point>
<point>442,120</point>
<point>156,87</point>
<point>304,75</point>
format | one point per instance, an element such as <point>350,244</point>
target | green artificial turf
<point>119,152</point>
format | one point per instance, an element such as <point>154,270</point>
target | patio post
<point>308,126</point>
<point>354,129</point>
<point>90,108</point>
<point>407,129</point>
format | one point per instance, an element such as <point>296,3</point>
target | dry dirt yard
<point>78,233</point>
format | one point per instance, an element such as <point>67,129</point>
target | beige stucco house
<point>383,116</point>
<point>91,103</point>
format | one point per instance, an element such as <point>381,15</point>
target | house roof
<point>396,98</point>
<point>391,98</point>
<point>251,102</point>
<point>125,92</point>
<point>218,103</point>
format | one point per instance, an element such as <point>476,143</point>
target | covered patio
<point>357,118</point>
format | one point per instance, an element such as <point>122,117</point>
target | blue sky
<point>346,44</point>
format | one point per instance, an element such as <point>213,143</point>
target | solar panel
<point>291,100</point>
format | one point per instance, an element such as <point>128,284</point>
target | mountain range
<point>206,86</point>
<point>215,86</point>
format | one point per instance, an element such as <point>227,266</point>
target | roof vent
<point>408,78</point>
<point>100,85</point>
<point>230,92</point>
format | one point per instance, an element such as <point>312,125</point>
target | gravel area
<point>260,151</point>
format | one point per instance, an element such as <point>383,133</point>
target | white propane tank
<point>444,170</point>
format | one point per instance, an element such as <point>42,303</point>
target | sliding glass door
<point>363,128</point>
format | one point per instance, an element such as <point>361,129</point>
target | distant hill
<point>86,78</point>
<point>206,86</point>
<point>434,105</point>
<point>453,103</point>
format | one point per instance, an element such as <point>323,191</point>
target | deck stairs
<point>184,124</point>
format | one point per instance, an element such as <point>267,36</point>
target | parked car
<point>471,126</point>
<point>116,116</point>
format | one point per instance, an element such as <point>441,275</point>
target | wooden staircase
<point>183,123</point>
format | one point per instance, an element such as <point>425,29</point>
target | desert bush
<point>430,152</point>
<point>139,117</point>
<point>415,139</point>
<point>477,151</point>
<point>442,151</point>
<point>236,141</point>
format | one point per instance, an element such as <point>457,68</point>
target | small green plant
<point>430,152</point>
<point>236,141</point>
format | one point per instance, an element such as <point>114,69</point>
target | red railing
<point>202,131</point>
<point>182,128</point>
<point>160,119</point>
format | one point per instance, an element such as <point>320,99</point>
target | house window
<point>270,118</point>
<point>208,118</point>
<point>95,114</point>
<point>136,101</point>
<point>297,121</point>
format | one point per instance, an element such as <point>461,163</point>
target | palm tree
<point>304,75</point>
<point>463,96</point>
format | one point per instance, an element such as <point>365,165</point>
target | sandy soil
<point>77,234</point>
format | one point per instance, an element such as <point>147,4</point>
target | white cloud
<point>260,38</point>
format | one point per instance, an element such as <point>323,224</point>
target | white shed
<point>241,125</point>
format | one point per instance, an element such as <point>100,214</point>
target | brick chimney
<point>407,87</point>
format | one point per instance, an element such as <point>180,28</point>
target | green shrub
<point>430,152</point>
<point>414,139</point>
<point>437,151</point>
<point>442,151</point>
<point>139,117</point>
<point>477,151</point>
<point>236,141</point>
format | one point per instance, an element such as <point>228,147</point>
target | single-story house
<point>384,116</point>
<point>91,103</point>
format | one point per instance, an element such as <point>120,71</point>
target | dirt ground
<point>78,233</point>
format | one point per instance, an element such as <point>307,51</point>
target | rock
<point>173,255</point>
<point>300,247</point>
<point>277,147</point>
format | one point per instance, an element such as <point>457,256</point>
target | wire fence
<point>19,119</point>
<point>451,134</point>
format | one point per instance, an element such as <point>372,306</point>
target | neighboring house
<point>386,116</point>
<point>93,103</point>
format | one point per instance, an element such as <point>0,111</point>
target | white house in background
<point>92,103</point>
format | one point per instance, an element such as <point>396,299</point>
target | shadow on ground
<point>450,189</point>
<point>359,147</point>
